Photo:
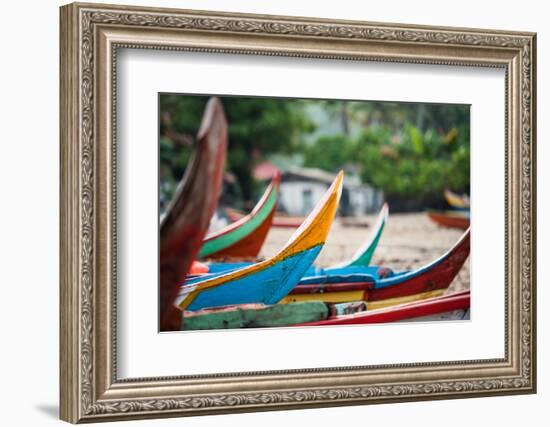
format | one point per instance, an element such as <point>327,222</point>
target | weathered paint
<point>246,316</point>
<point>267,285</point>
<point>245,237</point>
<point>450,219</point>
<point>270,280</point>
<point>183,227</point>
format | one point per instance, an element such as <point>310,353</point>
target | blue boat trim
<point>267,286</point>
<point>337,278</point>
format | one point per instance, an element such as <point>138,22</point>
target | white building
<point>302,188</point>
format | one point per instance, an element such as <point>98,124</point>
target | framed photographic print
<point>264,212</point>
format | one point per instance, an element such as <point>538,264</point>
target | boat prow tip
<point>339,181</point>
<point>314,230</point>
<point>213,113</point>
<point>276,178</point>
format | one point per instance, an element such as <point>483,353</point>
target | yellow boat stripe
<point>350,296</point>
<point>334,297</point>
<point>374,305</point>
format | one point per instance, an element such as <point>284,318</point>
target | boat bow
<point>270,280</point>
<point>188,214</point>
<point>245,237</point>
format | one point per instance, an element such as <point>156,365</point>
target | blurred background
<point>402,153</point>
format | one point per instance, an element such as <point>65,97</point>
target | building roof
<point>265,171</point>
<point>310,174</point>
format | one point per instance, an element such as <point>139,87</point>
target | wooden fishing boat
<point>457,201</point>
<point>381,284</point>
<point>432,309</point>
<point>255,316</point>
<point>266,316</point>
<point>271,280</point>
<point>362,256</point>
<point>185,223</point>
<point>451,219</point>
<point>317,312</point>
<point>245,237</point>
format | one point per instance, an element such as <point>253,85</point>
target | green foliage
<point>416,165</point>
<point>329,152</point>
<point>416,140</point>
<point>257,127</point>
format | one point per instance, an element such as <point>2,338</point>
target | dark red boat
<point>183,227</point>
<point>245,237</point>
<point>381,283</point>
<point>451,219</point>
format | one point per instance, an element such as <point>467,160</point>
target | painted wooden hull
<point>271,280</point>
<point>424,309</point>
<point>450,219</point>
<point>381,284</point>
<point>362,256</point>
<point>255,316</point>
<point>338,297</point>
<point>183,227</point>
<point>267,316</point>
<point>245,237</point>
<point>316,313</point>
<point>457,201</point>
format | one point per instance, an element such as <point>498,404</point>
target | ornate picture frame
<point>90,37</point>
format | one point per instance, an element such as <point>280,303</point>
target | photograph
<point>288,212</point>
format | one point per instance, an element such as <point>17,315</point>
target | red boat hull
<point>245,237</point>
<point>459,301</point>
<point>250,246</point>
<point>448,220</point>
<point>436,276</point>
<point>186,222</point>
